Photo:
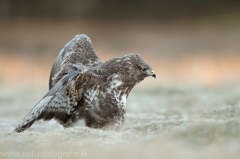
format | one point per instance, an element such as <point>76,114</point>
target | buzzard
<point>82,87</point>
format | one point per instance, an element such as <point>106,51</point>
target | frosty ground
<point>161,122</point>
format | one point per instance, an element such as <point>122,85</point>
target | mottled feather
<point>78,51</point>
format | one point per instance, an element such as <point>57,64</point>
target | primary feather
<point>83,87</point>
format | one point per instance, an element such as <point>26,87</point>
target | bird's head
<point>132,65</point>
<point>140,67</point>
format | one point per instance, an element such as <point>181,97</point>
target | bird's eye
<point>144,69</point>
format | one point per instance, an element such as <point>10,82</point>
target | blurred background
<point>187,42</point>
<point>191,110</point>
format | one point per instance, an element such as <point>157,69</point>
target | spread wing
<point>60,101</point>
<point>78,51</point>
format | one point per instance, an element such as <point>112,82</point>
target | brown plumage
<point>82,87</point>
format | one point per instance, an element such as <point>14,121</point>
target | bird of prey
<point>82,87</point>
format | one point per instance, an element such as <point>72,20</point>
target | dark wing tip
<point>21,128</point>
<point>18,130</point>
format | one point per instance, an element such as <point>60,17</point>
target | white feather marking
<point>114,83</point>
<point>123,101</point>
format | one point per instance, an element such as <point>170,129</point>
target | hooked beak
<point>151,73</point>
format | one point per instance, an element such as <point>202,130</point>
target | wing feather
<point>59,102</point>
<point>78,51</point>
